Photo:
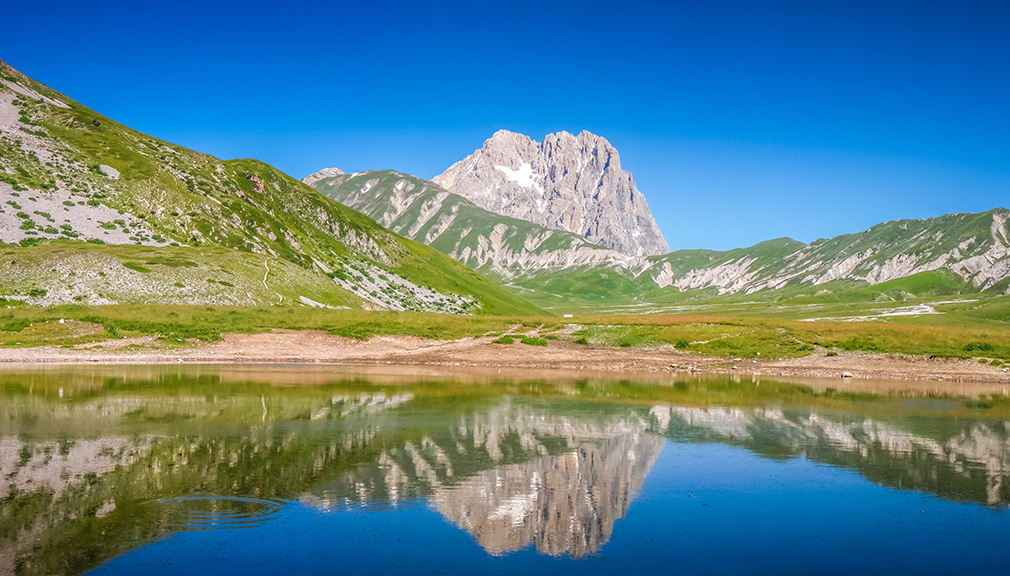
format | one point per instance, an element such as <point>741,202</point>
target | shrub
<point>504,340</point>
<point>681,344</point>
<point>531,341</point>
<point>978,347</point>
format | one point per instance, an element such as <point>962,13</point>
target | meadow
<point>967,328</point>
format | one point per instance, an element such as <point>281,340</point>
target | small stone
<point>846,374</point>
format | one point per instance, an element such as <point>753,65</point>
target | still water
<point>169,470</point>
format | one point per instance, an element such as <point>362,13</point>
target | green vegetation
<point>209,323</point>
<point>456,227</point>
<point>167,194</point>
<point>717,336</point>
<point>533,341</point>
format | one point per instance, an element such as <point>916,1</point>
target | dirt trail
<point>315,347</point>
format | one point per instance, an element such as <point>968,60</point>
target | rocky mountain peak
<point>324,173</point>
<point>570,183</point>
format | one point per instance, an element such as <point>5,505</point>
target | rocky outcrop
<point>570,183</point>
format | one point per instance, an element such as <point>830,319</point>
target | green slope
<point>950,254</point>
<point>502,247</point>
<point>67,172</point>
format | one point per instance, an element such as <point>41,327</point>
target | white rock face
<point>571,183</point>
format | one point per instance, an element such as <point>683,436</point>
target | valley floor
<point>847,369</point>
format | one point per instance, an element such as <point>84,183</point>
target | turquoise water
<point>296,470</point>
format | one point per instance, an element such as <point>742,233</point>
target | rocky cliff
<point>570,183</point>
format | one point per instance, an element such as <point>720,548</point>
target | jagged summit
<point>570,183</point>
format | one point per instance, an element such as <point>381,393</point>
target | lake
<point>298,470</point>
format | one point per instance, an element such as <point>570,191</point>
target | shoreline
<point>318,348</point>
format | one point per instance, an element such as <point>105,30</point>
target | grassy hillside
<point>68,173</point>
<point>501,247</point>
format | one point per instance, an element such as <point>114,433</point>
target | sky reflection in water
<point>167,472</point>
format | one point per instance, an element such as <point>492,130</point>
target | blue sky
<point>741,121</point>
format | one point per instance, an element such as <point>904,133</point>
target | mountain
<point>946,254</point>
<point>95,212</point>
<point>976,247</point>
<point>569,183</point>
<point>498,246</point>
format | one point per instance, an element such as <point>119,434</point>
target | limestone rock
<point>570,183</point>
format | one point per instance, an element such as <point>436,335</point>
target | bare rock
<point>110,172</point>
<point>571,183</point>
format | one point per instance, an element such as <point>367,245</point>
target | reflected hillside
<point>959,460</point>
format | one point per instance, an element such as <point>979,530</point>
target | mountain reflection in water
<point>94,466</point>
<point>493,474</point>
<point>968,462</point>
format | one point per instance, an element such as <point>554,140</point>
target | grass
<point>208,323</point>
<point>714,336</point>
<point>180,196</point>
<point>710,336</point>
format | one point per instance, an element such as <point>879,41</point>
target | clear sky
<point>740,120</point>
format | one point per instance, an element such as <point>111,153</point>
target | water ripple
<point>216,512</point>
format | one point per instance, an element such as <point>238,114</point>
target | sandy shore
<point>314,347</point>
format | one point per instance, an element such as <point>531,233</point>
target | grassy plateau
<point>969,328</point>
